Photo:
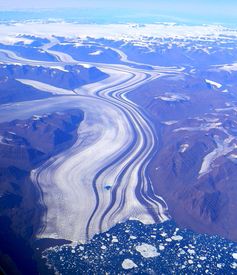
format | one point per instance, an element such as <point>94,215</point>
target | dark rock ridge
<point>24,144</point>
<point>92,52</point>
<point>68,77</point>
<point>30,51</point>
<point>182,52</point>
<point>12,90</point>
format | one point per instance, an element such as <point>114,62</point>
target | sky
<point>213,10</point>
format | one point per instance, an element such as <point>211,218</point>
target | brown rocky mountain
<point>194,169</point>
<point>24,144</point>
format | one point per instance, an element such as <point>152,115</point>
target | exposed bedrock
<point>195,167</point>
<point>24,144</point>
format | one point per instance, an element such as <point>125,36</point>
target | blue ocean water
<point>136,248</point>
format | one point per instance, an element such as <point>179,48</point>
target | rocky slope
<point>194,169</point>
<point>68,77</point>
<point>12,90</point>
<point>24,144</point>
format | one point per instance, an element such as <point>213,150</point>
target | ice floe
<point>147,250</point>
<point>128,264</point>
